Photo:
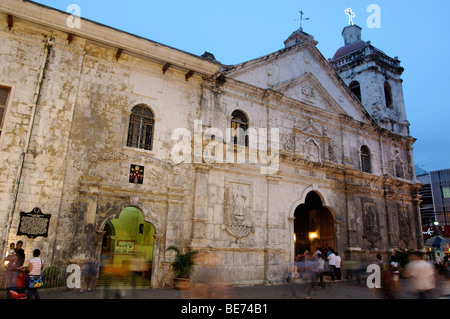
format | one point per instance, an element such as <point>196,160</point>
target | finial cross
<point>301,20</point>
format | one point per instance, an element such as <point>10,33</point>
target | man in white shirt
<point>332,263</point>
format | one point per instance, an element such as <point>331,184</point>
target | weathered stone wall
<point>77,167</point>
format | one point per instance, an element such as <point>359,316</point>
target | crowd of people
<point>312,268</point>
<point>20,279</point>
<point>422,274</point>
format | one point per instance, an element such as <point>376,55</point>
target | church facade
<point>131,146</point>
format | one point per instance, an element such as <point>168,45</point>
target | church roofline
<point>320,59</point>
<point>37,13</point>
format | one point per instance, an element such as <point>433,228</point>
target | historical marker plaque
<point>34,224</point>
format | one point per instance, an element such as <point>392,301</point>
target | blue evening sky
<point>239,30</point>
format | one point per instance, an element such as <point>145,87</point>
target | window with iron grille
<point>239,127</point>
<point>140,129</point>
<point>366,162</point>
<point>4,93</point>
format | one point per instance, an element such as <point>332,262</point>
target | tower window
<point>4,93</point>
<point>239,127</point>
<point>366,161</point>
<point>140,130</point>
<point>388,94</point>
<point>356,89</point>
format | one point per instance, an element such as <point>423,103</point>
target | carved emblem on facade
<point>308,91</point>
<point>289,144</point>
<point>238,202</point>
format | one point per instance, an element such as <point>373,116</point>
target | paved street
<point>334,290</point>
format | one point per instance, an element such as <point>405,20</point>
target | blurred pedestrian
<point>395,268</point>
<point>206,282</point>
<point>423,276</point>
<point>320,270</point>
<point>387,283</point>
<point>10,270</point>
<point>309,273</point>
<point>338,266</point>
<point>89,272</point>
<point>446,266</point>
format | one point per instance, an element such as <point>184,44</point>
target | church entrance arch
<point>313,225</point>
<point>127,249</point>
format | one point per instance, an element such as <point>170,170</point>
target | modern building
<point>112,143</point>
<point>435,202</point>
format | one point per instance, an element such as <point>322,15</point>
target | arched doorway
<point>127,248</point>
<point>313,225</point>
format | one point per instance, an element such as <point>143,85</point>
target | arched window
<point>388,95</point>
<point>4,93</point>
<point>356,89</point>
<point>239,127</point>
<point>366,161</point>
<point>140,130</point>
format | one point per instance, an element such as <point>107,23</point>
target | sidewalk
<point>334,290</point>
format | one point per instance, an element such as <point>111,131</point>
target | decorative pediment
<point>307,89</point>
<point>309,129</point>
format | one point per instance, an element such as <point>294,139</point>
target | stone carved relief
<point>289,144</point>
<point>312,151</point>
<point>404,225</point>
<point>309,143</point>
<point>371,222</point>
<point>238,206</point>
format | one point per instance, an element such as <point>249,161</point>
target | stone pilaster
<point>273,252</point>
<point>85,238</point>
<point>200,214</point>
<point>175,222</point>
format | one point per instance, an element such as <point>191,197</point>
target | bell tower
<point>374,78</point>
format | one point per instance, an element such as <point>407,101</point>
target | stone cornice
<point>55,19</point>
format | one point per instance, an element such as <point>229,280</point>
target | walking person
<point>34,272</point>
<point>423,275</point>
